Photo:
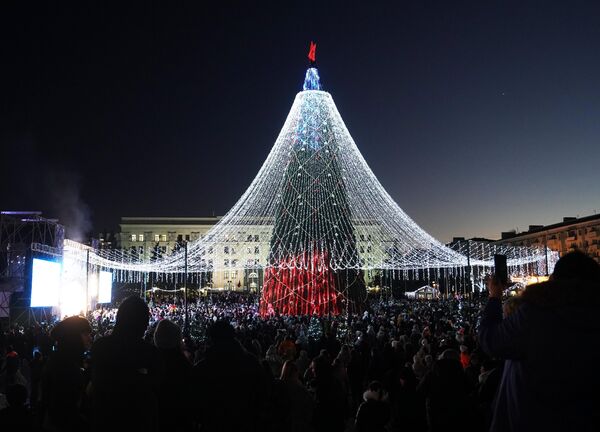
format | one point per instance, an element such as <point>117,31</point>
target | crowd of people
<point>399,365</point>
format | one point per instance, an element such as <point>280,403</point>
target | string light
<point>335,196</point>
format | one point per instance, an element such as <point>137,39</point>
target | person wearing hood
<point>374,413</point>
<point>541,388</point>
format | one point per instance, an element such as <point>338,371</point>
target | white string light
<point>336,195</point>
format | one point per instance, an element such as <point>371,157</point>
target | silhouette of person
<point>300,400</point>
<point>174,397</point>
<point>16,416</point>
<point>126,373</point>
<point>548,342</point>
<point>63,379</point>
<point>374,413</point>
<point>231,387</point>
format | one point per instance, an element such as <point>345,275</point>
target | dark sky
<point>477,117</point>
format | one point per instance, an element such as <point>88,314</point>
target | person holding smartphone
<point>551,350</point>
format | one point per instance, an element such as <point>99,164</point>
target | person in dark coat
<point>63,379</point>
<point>330,402</point>
<point>300,400</point>
<point>36,369</point>
<point>229,384</point>
<point>407,405</point>
<point>445,389</point>
<point>16,416</point>
<point>174,396</point>
<point>126,373</point>
<point>374,413</point>
<point>548,342</point>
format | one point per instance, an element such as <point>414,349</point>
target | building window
<point>141,237</point>
<point>141,250</point>
<point>226,263</point>
<point>256,237</point>
<point>226,249</point>
<point>233,274</point>
<point>133,237</point>
<point>156,237</point>
<point>226,274</point>
<point>248,250</point>
<point>256,250</point>
<point>249,238</point>
<point>180,238</point>
<point>187,237</point>
<point>163,237</point>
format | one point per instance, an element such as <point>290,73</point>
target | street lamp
<point>185,302</point>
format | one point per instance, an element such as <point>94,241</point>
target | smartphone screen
<point>500,268</point>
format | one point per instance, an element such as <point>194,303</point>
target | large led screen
<point>105,287</point>
<point>45,283</point>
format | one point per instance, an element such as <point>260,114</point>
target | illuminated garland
<point>316,161</point>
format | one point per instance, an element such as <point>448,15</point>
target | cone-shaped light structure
<point>316,210</point>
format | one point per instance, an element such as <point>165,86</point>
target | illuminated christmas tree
<point>314,219</point>
<point>313,225</point>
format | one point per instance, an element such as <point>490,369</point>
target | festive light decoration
<point>315,329</point>
<point>312,53</point>
<point>320,217</point>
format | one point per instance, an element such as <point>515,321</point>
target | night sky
<point>477,117</point>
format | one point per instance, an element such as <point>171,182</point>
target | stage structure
<point>19,230</point>
<point>328,220</point>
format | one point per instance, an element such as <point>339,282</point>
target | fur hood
<point>375,396</point>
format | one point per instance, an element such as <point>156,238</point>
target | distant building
<point>582,234</point>
<point>143,234</point>
<point>105,240</point>
<point>245,254</point>
<point>152,237</point>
